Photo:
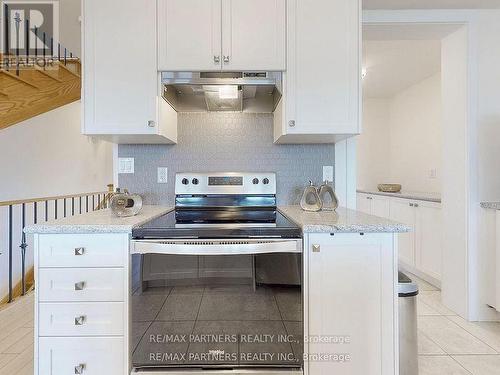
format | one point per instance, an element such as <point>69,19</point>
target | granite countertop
<point>102,221</point>
<point>419,196</point>
<point>343,220</point>
<point>491,205</point>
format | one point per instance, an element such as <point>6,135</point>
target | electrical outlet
<point>125,165</point>
<point>328,173</point>
<point>162,175</point>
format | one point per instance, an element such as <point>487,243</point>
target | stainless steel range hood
<point>253,92</point>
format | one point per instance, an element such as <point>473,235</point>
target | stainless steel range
<point>217,283</point>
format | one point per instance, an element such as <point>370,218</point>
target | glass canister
<point>125,204</point>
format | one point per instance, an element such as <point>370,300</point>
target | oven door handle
<point>213,248</point>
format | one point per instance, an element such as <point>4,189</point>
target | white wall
<point>373,150</point>
<point>416,136</point>
<point>46,156</point>
<point>402,138</point>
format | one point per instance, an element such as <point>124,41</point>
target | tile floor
<point>448,345</point>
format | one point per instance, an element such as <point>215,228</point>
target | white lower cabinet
<point>81,299</point>
<point>82,355</point>
<point>351,299</point>
<point>373,205</point>
<point>420,251</point>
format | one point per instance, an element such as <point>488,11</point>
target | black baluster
<point>93,202</point>
<point>23,247</point>
<point>65,55</point>
<point>44,49</point>
<point>10,253</point>
<point>27,40</point>
<point>7,32</point>
<point>35,212</point>
<point>55,209</point>
<point>58,51</point>
<point>17,20</point>
<point>46,210</point>
<point>36,45</point>
<point>51,47</point>
<point>64,209</point>
<point>72,206</point>
<point>86,203</point>
<point>80,205</point>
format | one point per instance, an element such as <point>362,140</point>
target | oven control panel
<point>225,183</point>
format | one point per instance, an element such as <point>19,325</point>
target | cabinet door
<point>351,294</point>
<point>364,203</point>
<point>323,67</point>
<point>189,35</point>
<point>119,67</point>
<point>402,212</point>
<point>253,34</point>
<point>429,239</point>
<point>381,206</point>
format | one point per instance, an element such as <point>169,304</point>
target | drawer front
<point>82,250</point>
<point>81,285</point>
<point>81,319</point>
<point>81,355</point>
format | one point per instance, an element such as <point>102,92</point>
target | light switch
<point>125,165</point>
<point>328,173</point>
<point>162,175</point>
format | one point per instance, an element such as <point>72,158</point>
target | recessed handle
<point>316,248</point>
<point>79,251</point>
<point>80,368</point>
<point>291,123</point>
<point>80,320</point>
<point>217,59</point>
<point>151,123</point>
<point>412,205</point>
<point>415,205</point>
<point>80,285</point>
<point>226,59</point>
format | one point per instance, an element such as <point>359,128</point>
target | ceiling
<point>431,4</point>
<point>394,65</point>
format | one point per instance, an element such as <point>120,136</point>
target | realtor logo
<point>30,28</point>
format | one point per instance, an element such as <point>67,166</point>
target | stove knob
<point>265,181</point>
<point>185,181</point>
<point>195,181</point>
<point>255,181</point>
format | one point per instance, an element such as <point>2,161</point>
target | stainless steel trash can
<point>408,343</point>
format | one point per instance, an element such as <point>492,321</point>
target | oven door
<point>227,305</point>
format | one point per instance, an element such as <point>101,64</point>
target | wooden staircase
<point>36,90</point>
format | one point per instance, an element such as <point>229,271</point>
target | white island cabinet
<point>82,309</point>
<point>350,292</point>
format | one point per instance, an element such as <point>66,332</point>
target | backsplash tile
<point>224,142</point>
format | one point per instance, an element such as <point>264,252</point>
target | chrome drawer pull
<point>80,285</point>
<point>79,251</point>
<point>80,320</point>
<point>80,368</point>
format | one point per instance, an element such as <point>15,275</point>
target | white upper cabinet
<point>210,35</point>
<point>120,76</point>
<point>322,81</point>
<point>253,34</point>
<point>189,35</point>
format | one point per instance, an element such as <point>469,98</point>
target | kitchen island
<point>82,268</point>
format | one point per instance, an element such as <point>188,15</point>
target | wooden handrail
<point>33,200</point>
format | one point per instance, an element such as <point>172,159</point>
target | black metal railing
<point>20,213</point>
<point>17,57</point>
